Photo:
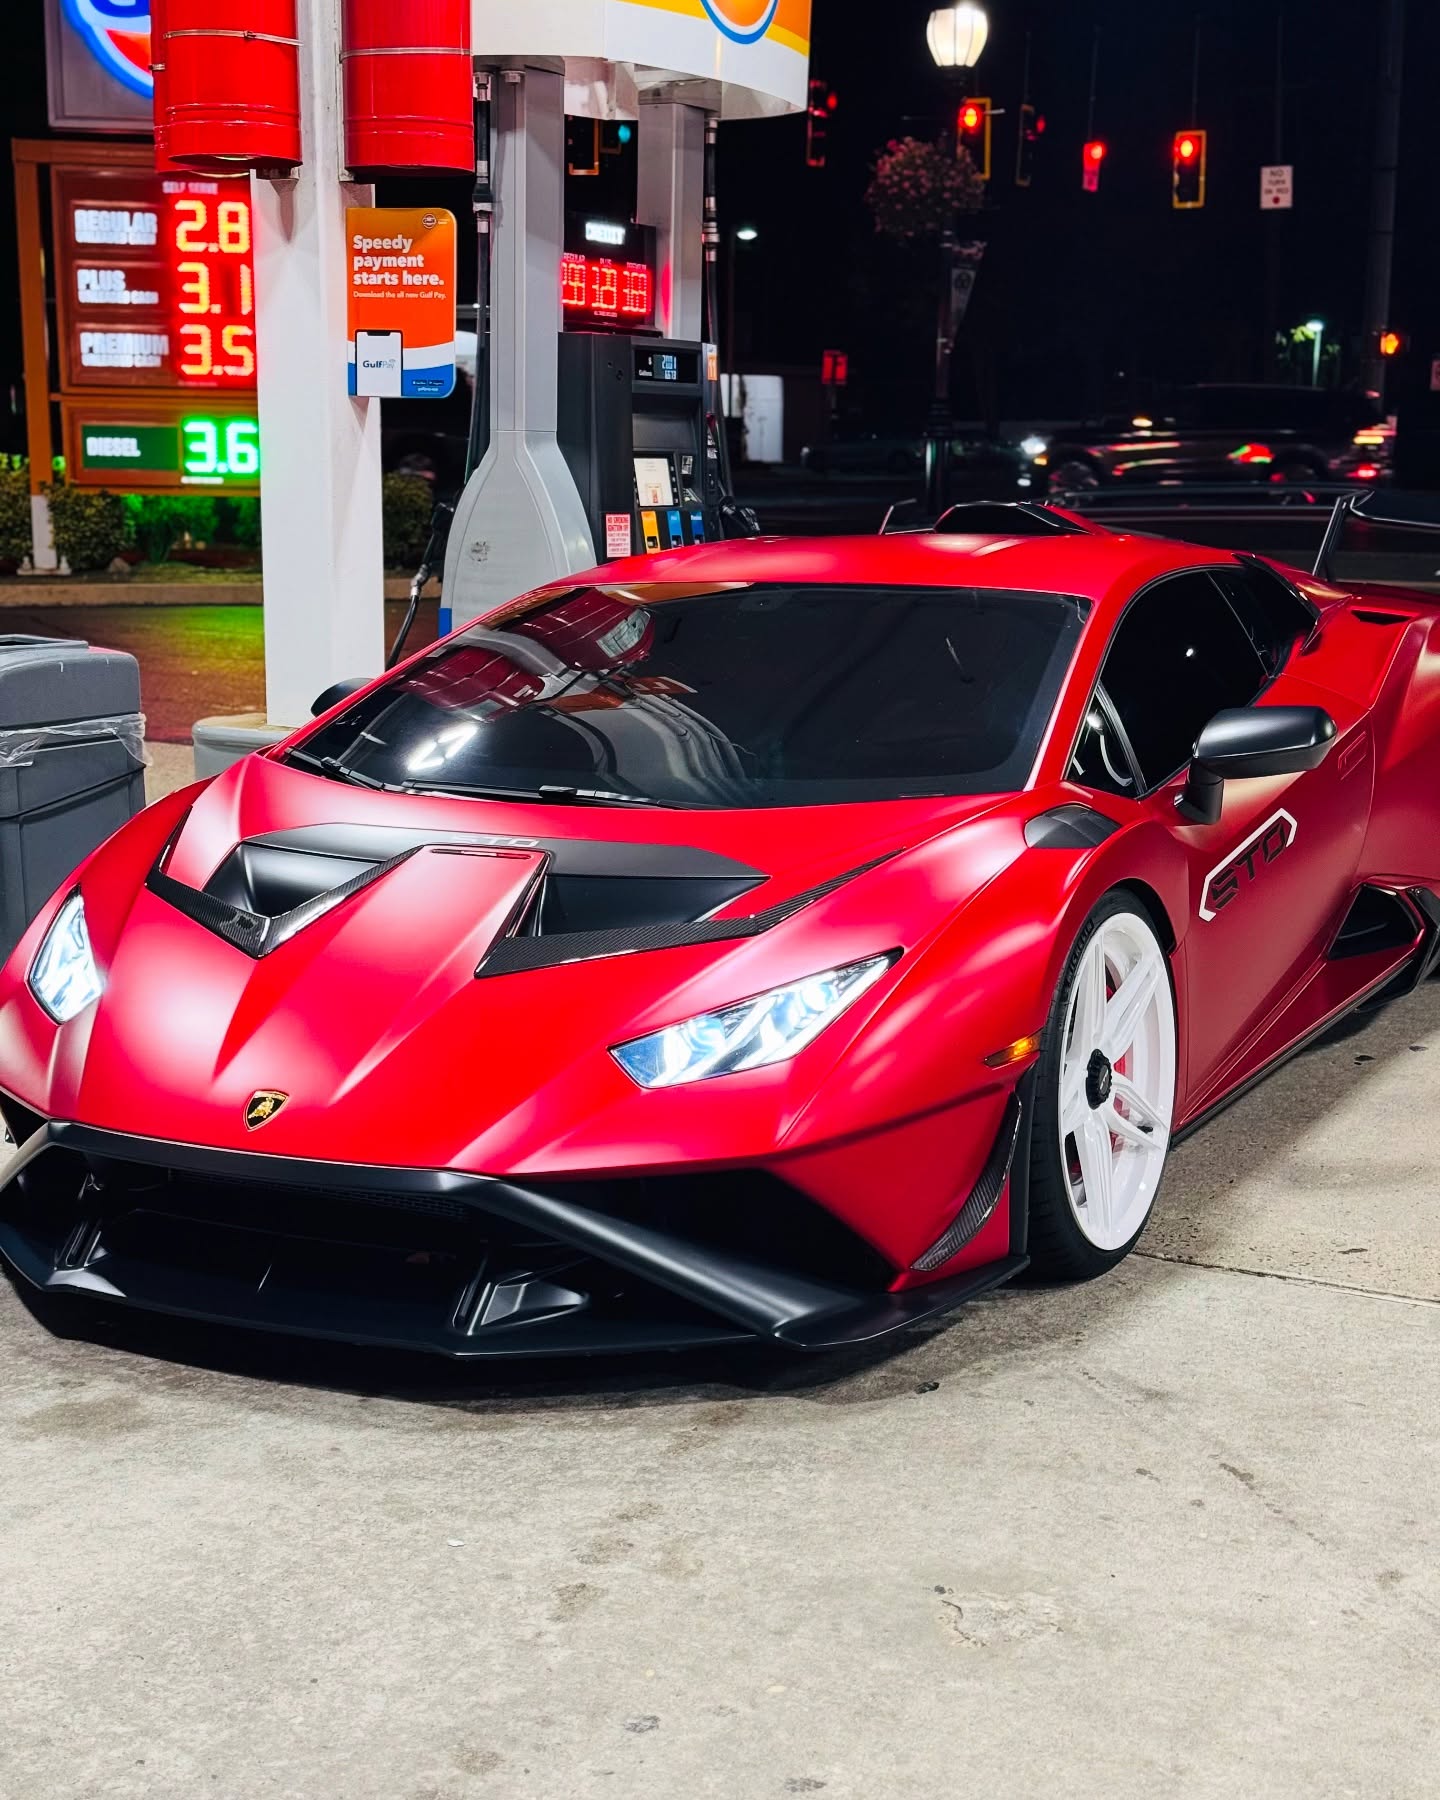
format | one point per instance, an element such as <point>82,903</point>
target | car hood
<point>356,995</point>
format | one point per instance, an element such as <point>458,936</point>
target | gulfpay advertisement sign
<point>401,313</point>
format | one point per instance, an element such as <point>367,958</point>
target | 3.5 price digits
<point>208,451</point>
<point>234,360</point>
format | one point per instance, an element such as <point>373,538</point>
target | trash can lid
<point>55,681</point>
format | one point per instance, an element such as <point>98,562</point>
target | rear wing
<point>1373,515</point>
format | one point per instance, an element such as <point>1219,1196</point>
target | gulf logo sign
<point>117,35</point>
<point>742,21</point>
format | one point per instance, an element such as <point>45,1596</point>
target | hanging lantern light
<point>957,34</point>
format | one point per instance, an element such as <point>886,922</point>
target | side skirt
<point>1356,1003</point>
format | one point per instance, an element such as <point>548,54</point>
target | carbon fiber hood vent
<point>588,899</point>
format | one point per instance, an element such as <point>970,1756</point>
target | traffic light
<point>972,133</point>
<point>1391,343</point>
<point>582,146</point>
<point>817,117</point>
<point>1094,153</point>
<point>1032,129</point>
<point>1187,187</point>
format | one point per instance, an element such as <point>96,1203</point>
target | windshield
<point>740,695</point>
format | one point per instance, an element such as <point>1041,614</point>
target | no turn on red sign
<point>1277,187</point>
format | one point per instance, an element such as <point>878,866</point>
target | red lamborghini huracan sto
<point>770,940</point>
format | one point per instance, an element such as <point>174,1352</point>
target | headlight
<point>1034,446</point>
<point>64,978</point>
<point>768,1029</point>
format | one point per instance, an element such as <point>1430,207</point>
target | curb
<point>44,591</point>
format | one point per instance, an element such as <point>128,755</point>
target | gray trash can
<point>72,764</point>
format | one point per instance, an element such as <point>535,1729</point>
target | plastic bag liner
<point>21,746</point>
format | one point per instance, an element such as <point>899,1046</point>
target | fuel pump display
<point>638,429</point>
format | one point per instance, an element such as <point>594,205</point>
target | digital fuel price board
<point>155,280</point>
<point>155,301</point>
<point>139,445</point>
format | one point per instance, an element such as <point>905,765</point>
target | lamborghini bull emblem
<point>262,1107</point>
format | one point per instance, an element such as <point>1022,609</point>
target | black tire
<point>1290,470</point>
<point>1059,1250</point>
<point>1071,473</point>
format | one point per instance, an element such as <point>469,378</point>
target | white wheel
<point>1117,1081</point>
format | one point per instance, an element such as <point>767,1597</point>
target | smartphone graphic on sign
<point>379,358</point>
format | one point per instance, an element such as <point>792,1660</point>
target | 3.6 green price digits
<point>221,447</point>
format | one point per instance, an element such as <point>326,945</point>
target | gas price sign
<point>155,281</point>
<point>155,299</point>
<point>607,275</point>
<point>144,445</point>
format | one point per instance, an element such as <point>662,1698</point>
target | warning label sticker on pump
<point>401,310</point>
<point>619,538</point>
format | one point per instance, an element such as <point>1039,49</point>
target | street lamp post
<point>742,234</point>
<point>956,36</point>
<point>1316,328</point>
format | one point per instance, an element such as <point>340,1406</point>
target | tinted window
<point>1273,615</point>
<point>1178,657</point>
<point>758,695</point>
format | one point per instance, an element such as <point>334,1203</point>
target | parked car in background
<point>855,452</point>
<point>1229,432</point>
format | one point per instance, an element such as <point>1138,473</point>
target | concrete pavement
<point>1172,1534</point>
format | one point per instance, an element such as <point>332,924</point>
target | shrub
<point>237,521</point>
<point>157,522</point>
<point>89,525</point>
<point>918,188</point>
<point>14,510</point>
<point>406,503</point>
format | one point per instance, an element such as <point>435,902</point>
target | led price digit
<point>238,343</point>
<point>198,355</point>
<point>202,447</point>
<point>233,224</point>
<point>196,284</point>
<point>189,232</point>
<point>242,447</point>
<point>604,287</point>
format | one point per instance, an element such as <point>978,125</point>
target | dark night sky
<point>1083,299</point>
<point>1079,287</point>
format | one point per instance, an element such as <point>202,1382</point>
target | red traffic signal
<point>1094,153</point>
<point>1031,126</point>
<point>817,117</point>
<point>1187,170</point>
<point>972,133</point>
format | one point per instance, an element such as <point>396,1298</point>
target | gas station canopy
<point>742,59</point>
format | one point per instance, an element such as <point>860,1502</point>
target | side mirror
<point>341,690</point>
<point>1244,742</point>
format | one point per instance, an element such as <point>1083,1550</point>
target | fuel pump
<point>637,424</point>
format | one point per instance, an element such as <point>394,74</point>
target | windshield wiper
<point>334,770</point>
<point>546,794</point>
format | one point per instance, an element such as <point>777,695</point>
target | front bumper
<point>437,1260</point>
